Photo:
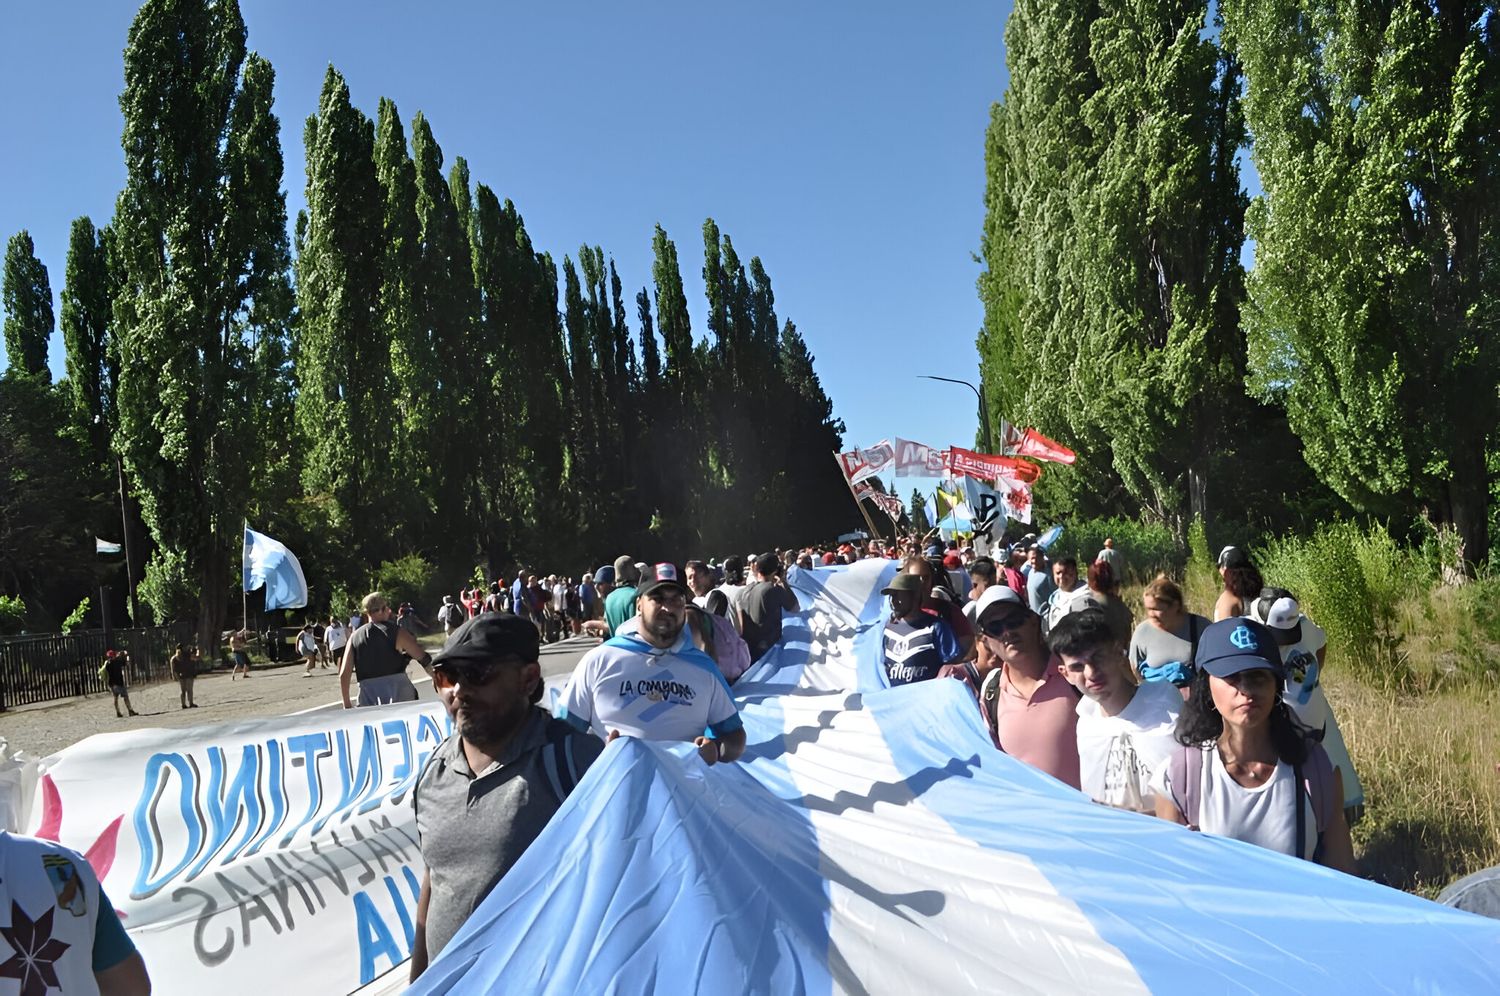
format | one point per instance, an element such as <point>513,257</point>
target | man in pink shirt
<point>1030,706</point>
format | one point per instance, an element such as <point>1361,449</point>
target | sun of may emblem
<point>36,952</point>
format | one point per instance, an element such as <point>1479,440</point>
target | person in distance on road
<point>492,786</point>
<point>655,684</point>
<point>377,655</point>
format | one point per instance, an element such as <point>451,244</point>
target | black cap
<point>665,576</point>
<point>490,636</point>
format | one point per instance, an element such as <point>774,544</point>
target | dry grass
<point>1428,763</point>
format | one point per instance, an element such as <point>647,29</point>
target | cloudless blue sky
<point>840,142</point>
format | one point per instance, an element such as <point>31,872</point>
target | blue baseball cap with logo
<point>1230,646</point>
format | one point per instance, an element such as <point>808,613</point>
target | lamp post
<point>984,416</point>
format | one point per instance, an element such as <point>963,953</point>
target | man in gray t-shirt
<point>762,604</point>
<point>489,789</point>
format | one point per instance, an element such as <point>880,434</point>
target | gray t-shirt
<point>761,606</point>
<point>505,807</point>
<point>1152,647</point>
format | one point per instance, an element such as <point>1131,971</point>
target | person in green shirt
<point>620,604</point>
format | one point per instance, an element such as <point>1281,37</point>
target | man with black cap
<point>917,644</point>
<point>763,603</point>
<point>620,603</point>
<point>491,787</point>
<point>654,683</point>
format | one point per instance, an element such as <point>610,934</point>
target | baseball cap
<point>488,636</point>
<point>605,574</point>
<point>1230,646</point>
<point>1281,614</point>
<point>625,569</point>
<point>997,598</point>
<point>951,559</point>
<point>903,582</point>
<point>1233,557</point>
<point>935,550</point>
<point>665,576</point>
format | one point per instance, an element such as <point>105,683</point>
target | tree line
<point>403,377</point>
<point>1353,369</point>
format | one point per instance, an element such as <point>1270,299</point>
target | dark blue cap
<point>1230,646</point>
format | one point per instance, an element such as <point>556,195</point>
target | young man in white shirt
<point>1124,729</point>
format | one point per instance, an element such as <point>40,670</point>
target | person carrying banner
<point>61,926</point>
<point>492,786</point>
<point>917,645</point>
<point>1028,704</point>
<point>762,604</point>
<point>377,655</point>
<point>654,683</point>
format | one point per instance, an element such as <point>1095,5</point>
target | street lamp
<point>984,416</point>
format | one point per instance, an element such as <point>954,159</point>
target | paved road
<point>276,690</point>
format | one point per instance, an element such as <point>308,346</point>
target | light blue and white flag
<point>873,840</point>
<point>268,562</point>
<point>104,546</point>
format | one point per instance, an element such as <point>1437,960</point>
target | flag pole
<point>244,595</point>
<point>874,533</point>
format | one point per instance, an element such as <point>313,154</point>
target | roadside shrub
<point>405,579</point>
<point>1148,549</point>
<point>1200,581</point>
<point>75,618</point>
<point>12,614</point>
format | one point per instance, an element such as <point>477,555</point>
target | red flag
<point>1030,443</point>
<point>989,467</point>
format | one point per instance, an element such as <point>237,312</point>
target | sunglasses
<point>470,674</point>
<point>1003,625</point>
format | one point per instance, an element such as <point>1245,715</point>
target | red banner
<point>861,464</point>
<point>989,467</point>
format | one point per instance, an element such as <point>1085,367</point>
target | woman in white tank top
<point>1246,768</point>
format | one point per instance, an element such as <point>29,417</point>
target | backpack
<point>1315,775</point>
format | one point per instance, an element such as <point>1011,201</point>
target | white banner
<point>273,856</point>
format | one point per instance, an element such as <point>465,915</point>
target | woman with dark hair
<point>1104,594</point>
<point>1246,768</point>
<point>1242,584</point>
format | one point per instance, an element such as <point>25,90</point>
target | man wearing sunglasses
<point>492,786</point>
<point>1029,705</point>
<point>654,683</point>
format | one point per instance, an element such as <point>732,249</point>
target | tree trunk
<point>213,579</point>
<point>1468,508</point>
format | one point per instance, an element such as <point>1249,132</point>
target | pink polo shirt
<point>1042,730</point>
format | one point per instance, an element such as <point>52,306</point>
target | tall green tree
<point>28,307</point>
<point>1376,285</point>
<point>344,381</point>
<point>449,307</point>
<point>87,327</point>
<point>1113,242</point>
<point>199,226</point>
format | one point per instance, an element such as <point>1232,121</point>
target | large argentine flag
<point>873,841</point>
<point>267,562</point>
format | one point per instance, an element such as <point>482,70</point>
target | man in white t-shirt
<point>654,683</point>
<point>1068,589</point>
<point>1303,645</point>
<point>1124,730</point>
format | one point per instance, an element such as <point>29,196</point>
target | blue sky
<point>840,142</point>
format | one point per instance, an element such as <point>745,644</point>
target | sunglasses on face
<point>1003,625</point>
<point>470,674</point>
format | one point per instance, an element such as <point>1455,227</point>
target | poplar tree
<point>411,355</point>
<point>28,307</point>
<point>200,229</point>
<point>1376,285</point>
<point>87,328</point>
<point>344,382</point>
<point>1113,242</point>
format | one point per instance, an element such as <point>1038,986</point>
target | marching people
<point>1164,645</point>
<point>917,644</point>
<point>762,604</point>
<point>1242,583</point>
<point>377,655</point>
<point>496,781</point>
<point>307,648</point>
<point>1125,731</point>
<point>654,683</point>
<point>1245,768</point>
<point>336,635</point>
<point>621,601</point>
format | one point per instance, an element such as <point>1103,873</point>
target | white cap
<point>1284,613</point>
<point>994,597</point>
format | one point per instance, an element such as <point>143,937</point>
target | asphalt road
<point>272,690</point>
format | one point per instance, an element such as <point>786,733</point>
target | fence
<point>64,665</point>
